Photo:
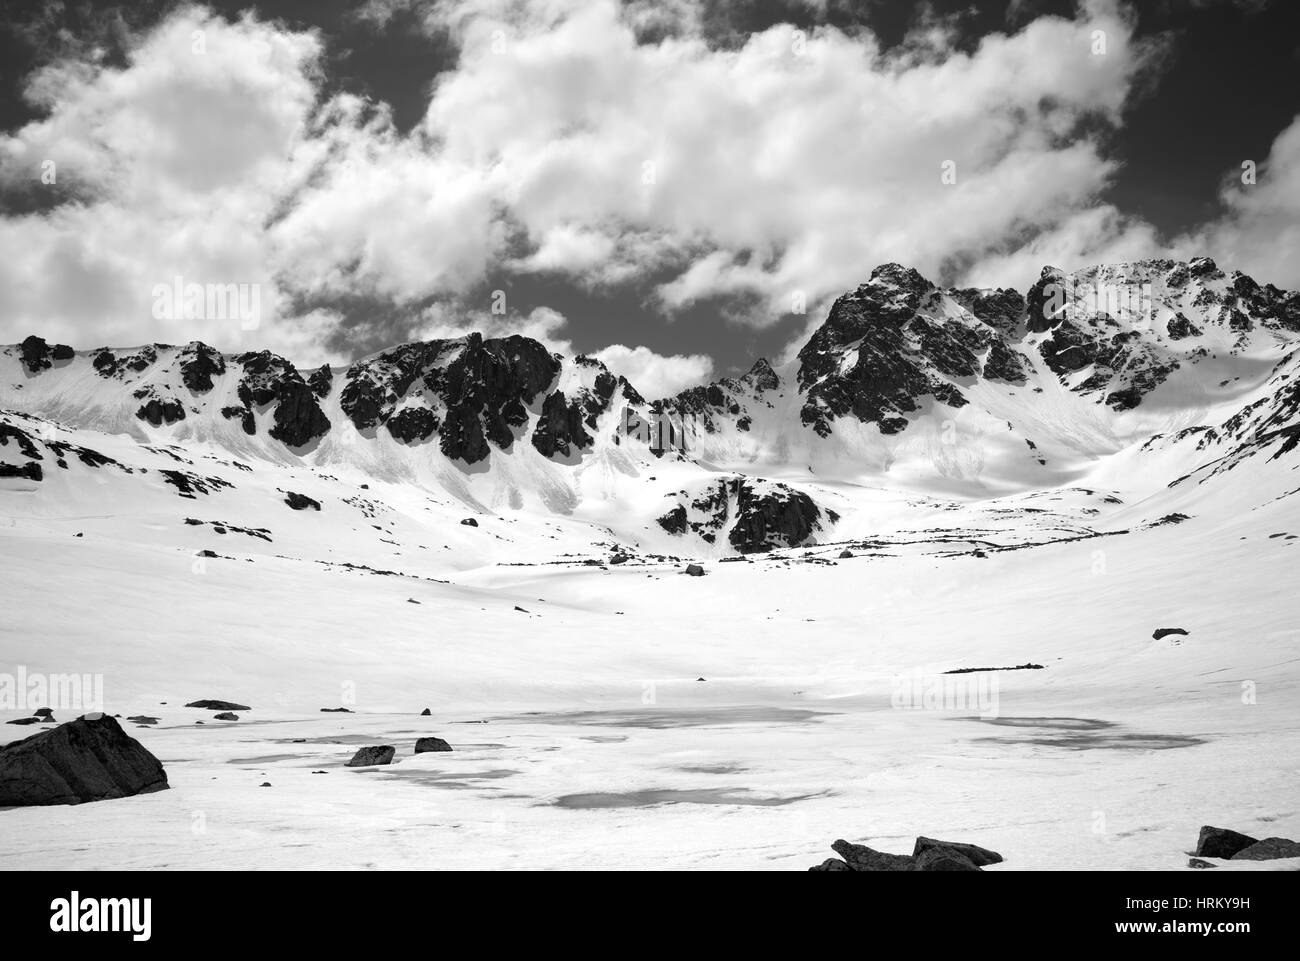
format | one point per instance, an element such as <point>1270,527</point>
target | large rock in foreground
<point>927,855</point>
<point>89,759</point>
<point>1221,842</point>
<point>1269,849</point>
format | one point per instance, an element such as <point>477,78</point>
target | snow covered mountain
<point>939,481</point>
<point>959,392</point>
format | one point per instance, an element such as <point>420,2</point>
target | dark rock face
<point>674,522</point>
<point>89,759</point>
<point>899,356</point>
<point>560,429</point>
<point>430,744</point>
<point>35,353</point>
<point>1044,301</point>
<point>1002,309</point>
<point>761,515</point>
<point>245,418</point>
<point>267,378</point>
<point>198,363</point>
<point>412,424</point>
<point>219,706</point>
<point>1180,328</point>
<point>781,517</point>
<point>1221,843</point>
<point>484,386</point>
<point>1269,849</point>
<point>377,754</point>
<point>301,502</point>
<point>1070,348</point>
<point>705,407</point>
<point>161,411</point>
<point>321,380</point>
<point>62,352</point>
<point>29,471</point>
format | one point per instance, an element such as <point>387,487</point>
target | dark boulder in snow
<point>831,864</point>
<point>430,744</point>
<point>695,570</point>
<point>426,713</point>
<point>1269,849</point>
<point>1221,842</point>
<point>976,854</point>
<point>859,857</point>
<point>373,755</point>
<point>301,502</point>
<point>469,522</point>
<point>927,855</point>
<point>89,759</point>
<point>219,706</point>
<point>1163,632</point>
<point>225,716</point>
<point>25,720</point>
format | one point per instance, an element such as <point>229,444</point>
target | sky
<point>677,186</point>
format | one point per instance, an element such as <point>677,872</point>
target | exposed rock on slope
<point>756,515</point>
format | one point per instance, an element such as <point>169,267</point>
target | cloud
<point>656,375</point>
<point>599,144</point>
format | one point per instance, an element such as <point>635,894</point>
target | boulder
<point>301,502</point>
<point>426,713</point>
<point>336,710</point>
<point>845,554</point>
<point>25,720</point>
<point>831,864</point>
<point>143,719</point>
<point>427,744</point>
<point>43,712</point>
<point>225,716</point>
<point>469,522</point>
<point>1162,632</point>
<point>1221,842</point>
<point>943,859</point>
<point>1269,849</point>
<point>977,855</point>
<point>219,706</point>
<point>695,570</point>
<point>1199,865</point>
<point>859,857</point>
<point>89,759</point>
<point>375,754</point>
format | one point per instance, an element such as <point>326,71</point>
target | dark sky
<point>1227,66</point>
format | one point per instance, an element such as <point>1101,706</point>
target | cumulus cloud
<point>656,375</point>
<point>591,141</point>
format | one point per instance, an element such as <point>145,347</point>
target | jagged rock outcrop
<point>757,515</point>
